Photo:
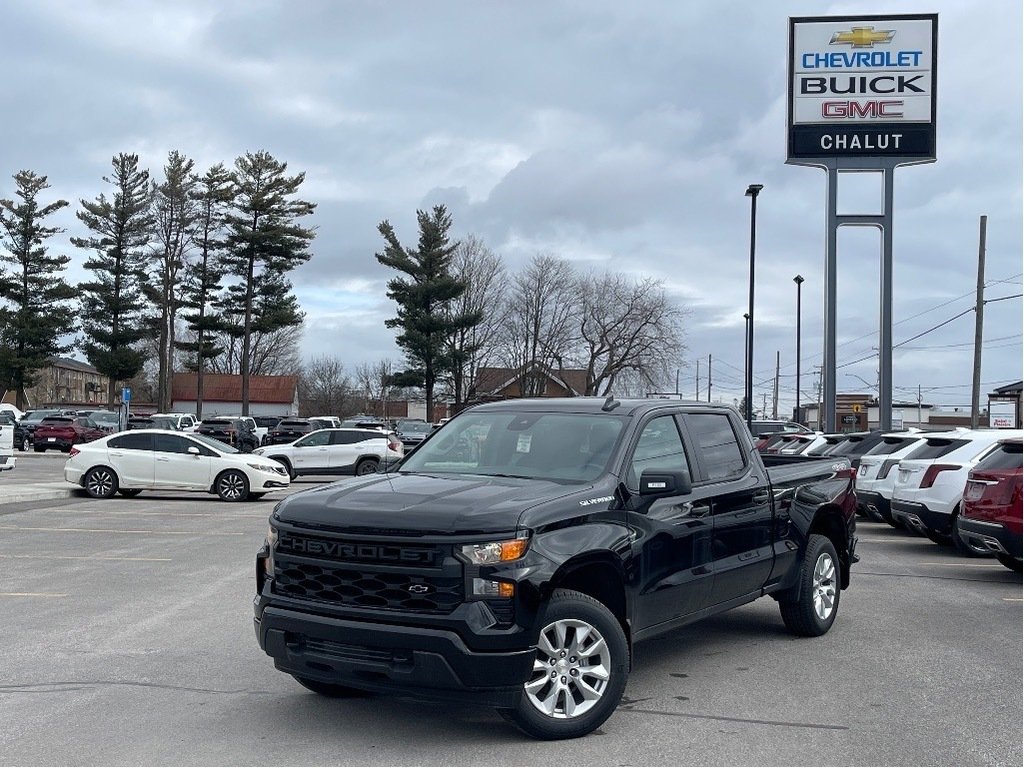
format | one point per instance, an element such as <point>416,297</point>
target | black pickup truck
<point>517,555</point>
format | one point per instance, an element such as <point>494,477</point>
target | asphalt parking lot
<point>127,639</point>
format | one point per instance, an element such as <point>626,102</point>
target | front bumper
<point>432,664</point>
<point>993,536</point>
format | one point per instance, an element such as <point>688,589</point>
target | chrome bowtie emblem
<point>419,589</point>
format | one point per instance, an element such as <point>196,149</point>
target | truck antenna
<point>610,403</point>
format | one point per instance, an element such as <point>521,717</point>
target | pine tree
<point>424,315</point>
<point>203,276</point>
<point>37,314</point>
<point>112,302</point>
<point>176,212</point>
<point>264,242</point>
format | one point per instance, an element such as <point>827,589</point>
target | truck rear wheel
<point>579,672</point>
<point>811,610</point>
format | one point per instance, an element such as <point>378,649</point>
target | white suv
<point>931,480</point>
<point>876,476</point>
<point>336,452</point>
<point>184,422</point>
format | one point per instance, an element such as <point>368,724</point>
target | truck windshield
<point>569,447</point>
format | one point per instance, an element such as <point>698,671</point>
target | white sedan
<point>159,459</point>
<point>336,452</point>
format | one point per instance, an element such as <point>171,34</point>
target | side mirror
<point>654,482</point>
<point>193,450</point>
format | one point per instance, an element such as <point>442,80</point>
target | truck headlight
<point>494,552</point>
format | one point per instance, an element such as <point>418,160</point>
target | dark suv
<point>234,432</point>
<point>290,430</point>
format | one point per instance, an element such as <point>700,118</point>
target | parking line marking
<point>87,557</point>
<point>109,530</point>
<point>32,594</point>
<point>103,513</point>
<point>1014,599</point>
<point>966,565</point>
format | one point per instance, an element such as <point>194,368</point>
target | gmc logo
<point>833,109</point>
<point>348,551</point>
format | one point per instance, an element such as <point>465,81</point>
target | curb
<point>16,494</point>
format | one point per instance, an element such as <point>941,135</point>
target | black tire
<point>129,493</point>
<point>39,448</point>
<point>941,539</point>
<point>554,692</point>
<point>811,608</point>
<point>232,485</point>
<point>26,444</point>
<point>1010,562</point>
<point>257,496</point>
<point>287,465</point>
<point>367,466</point>
<point>100,482</point>
<point>330,690</point>
<point>961,546</point>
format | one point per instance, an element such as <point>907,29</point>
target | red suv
<point>65,431</point>
<point>991,515</point>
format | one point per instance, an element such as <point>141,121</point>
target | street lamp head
<point>798,279</point>
<point>753,189</point>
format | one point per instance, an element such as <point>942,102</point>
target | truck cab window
<point>659,447</point>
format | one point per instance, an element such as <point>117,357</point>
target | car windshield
<point>216,444</point>
<point>566,447</point>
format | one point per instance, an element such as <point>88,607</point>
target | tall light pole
<point>751,192</point>
<point>799,282</point>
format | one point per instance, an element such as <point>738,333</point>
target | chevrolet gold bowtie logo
<point>862,37</point>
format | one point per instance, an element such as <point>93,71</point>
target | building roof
<point>491,380</point>
<point>73,365</point>
<point>1009,389</point>
<point>227,388</point>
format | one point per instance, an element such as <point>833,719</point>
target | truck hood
<point>420,504</point>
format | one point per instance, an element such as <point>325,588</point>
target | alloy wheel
<point>571,671</point>
<point>100,483</point>
<point>823,586</point>
<point>232,485</point>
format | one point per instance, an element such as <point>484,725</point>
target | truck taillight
<point>933,472</point>
<point>887,466</point>
<point>395,446</point>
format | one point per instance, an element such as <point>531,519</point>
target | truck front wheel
<point>579,672</point>
<point>811,609</point>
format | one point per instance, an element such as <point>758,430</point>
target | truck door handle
<point>761,497</point>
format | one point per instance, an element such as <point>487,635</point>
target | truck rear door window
<point>717,444</point>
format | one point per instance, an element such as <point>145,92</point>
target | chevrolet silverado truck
<point>517,556</point>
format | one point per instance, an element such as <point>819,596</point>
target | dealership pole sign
<point>862,87</point>
<point>862,97</point>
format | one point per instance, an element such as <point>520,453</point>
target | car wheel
<point>963,547</point>
<point>129,493</point>
<point>331,690</point>
<point>579,672</point>
<point>232,485</point>
<point>1009,561</point>
<point>100,482</point>
<point>26,444</point>
<point>367,466</point>
<point>813,609</point>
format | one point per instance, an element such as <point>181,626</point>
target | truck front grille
<point>367,574</point>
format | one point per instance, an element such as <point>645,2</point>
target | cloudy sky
<point>618,135</point>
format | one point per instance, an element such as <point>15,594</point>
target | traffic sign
<point>126,394</point>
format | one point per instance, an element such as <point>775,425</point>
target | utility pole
<point>696,382</point>
<point>709,378</point>
<point>764,404</point>
<point>775,395</point>
<point>979,319</point>
<point>919,406</point>
<point>820,369</point>
<point>677,381</point>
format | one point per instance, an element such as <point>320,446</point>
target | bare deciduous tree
<point>472,347</point>
<point>376,380</point>
<point>539,321</point>
<point>325,388</point>
<point>271,353</point>
<point>626,327</point>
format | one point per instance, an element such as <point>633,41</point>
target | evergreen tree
<point>203,277</point>
<point>112,301</point>
<point>37,314</point>
<point>424,309</point>
<point>176,212</point>
<point>264,243</point>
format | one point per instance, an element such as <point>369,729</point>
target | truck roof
<point>625,407</point>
